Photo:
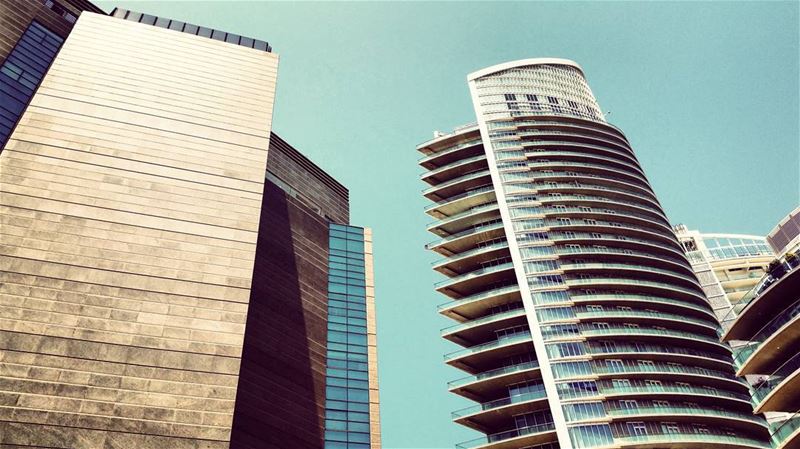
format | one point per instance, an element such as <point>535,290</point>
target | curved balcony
<point>453,153</point>
<point>468,238</point>
<point>454,169</point>
<point>630,177</point>
<point>489,415</point>
<point>780,392</point>
<point>474,306</point>
<point>464,220</point>
<point>787,435</point>
<point>468,260</point>
<point>688,441</point>
<point>558,187</point>
<point>705,376</point>
<point>498,379</point>
<point>471,282</point>
<point>643,301</point>
<point>648,272</point>
<point>760,307</point>
<point>695,414</point>
<point>647,286</point>
<point>657,334</point>
<point>614,147</point>
<point>679,321</point>
<point>625,229</point>
<point>666,391</point>
<point>582,213</point>
<point>659,353</point>
<point>470,330</point>
<point>542,123</point>
<point>614,253</point>
<point>775,343</point>
<point>468,359</point>
<point>605,178</point>
<point>458,185</point>
<point>571,156</point>
<point>457,204</point>
<point>628,206</point>
<point>513,439</point>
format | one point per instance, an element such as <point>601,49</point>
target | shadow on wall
<point>280,400</point>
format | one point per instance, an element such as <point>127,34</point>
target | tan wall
<point>130,195</point>
<point>372,344</point>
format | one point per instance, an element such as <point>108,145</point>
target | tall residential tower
<point>581,321</point>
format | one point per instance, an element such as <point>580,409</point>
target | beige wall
<point>129,203</point>
<point>372,344</point>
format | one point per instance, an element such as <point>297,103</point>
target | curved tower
<point>581,321</point>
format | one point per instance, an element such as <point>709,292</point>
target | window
<point>597,325</point>
<point>637,427</point>
<point>661,404</point>
<point>670,427</point>
<point>614,365</point>
<point>628,404</point>
<point>589,221</point>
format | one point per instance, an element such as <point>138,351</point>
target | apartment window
<point>614,365</point>
<point>631,325</point>
<point>589,221</point>
<point>594,308</point>
<point>564,221</point>
<point>596,235</point>
<point>660,404</point>
<point>552,100</point>
<point>532,98</point>
<point>621,383</point>
<point>628,404</point>
<point>597,325</point>
<point>585,209</point>
<point>670,427</point>
<point>510,97</point>
<point>637,427</point>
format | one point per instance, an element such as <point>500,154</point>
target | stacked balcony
<point>766,334</point>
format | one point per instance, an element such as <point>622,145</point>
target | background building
<point>727,266</point>
<point>581,321</point>
<point>172,274</point>
<point>785,237</point>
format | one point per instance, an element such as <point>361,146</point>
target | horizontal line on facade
<point>168,131</point>
<point>135,213</point>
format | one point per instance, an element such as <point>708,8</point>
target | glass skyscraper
<point>581,322</point>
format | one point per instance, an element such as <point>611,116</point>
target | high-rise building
<point>31,34</point>
<point>785,236</point>
<point>727,266</point>
<point>173,274</point>
<point>581,321</point>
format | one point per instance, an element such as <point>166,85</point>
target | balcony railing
<point>683,410</point>
<point>677,437</point>
<point>507,435</point>
<point>493,373</point>
<point>474,274</point>
<point>483,320</point>
<point>503,341</point>
<point>515,399</point>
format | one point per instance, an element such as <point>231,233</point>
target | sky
<point>706,92</point>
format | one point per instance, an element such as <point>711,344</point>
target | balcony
<point>470,330</point>
<point>513,439</point>
<point>629,177</point>
<point>679,321</point>
<point>496,379</point>
<point>656,334</point>
<point>468,260</point>
<point>657,391</point>
<point>705,376</point>
<point>464,183</point>
<point>459,203</point>
<point>613,253</point>
<point>472,282</point>
<point>780,392</point>
<point>450,154</point>
<point>689,441</point>
<point>649,286</point>
<point>464,220</point>
<point>787,434</point>
<point>697,414</point>
<point>473,306</point>
<point>469,359</point>
<point>468,238</point>
<point>491,414</point>
<point>570,156</point>
<point>759,305</point>
<point>629,269</point>
<point>642,301</point>
<point>775,343</point>
<point>454,169</point>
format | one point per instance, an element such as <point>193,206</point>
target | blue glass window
<point>22,72</point>
<point>347,393</point>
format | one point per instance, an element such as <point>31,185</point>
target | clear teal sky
<point>707,93</point>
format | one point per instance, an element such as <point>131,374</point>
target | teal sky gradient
<point>706,92</point>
